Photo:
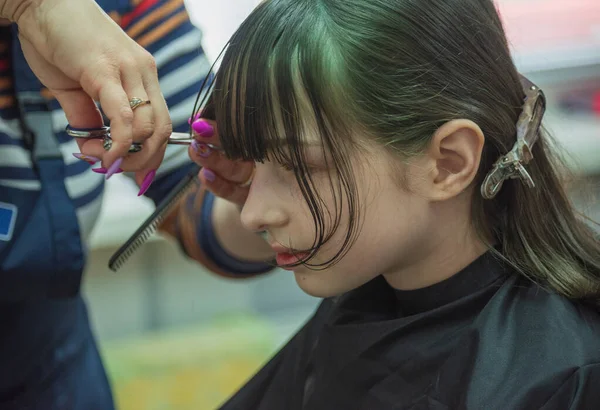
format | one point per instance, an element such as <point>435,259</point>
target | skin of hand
<point>90,59</point>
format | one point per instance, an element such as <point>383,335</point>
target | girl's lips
<point>285,258</point>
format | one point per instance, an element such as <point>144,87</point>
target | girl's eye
<point>287,167</point>
<point>292,169</point>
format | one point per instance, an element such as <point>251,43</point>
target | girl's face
<point>402,232</point>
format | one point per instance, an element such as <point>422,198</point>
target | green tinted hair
<point>396,70</point>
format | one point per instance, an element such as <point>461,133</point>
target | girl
<point>401,175</point>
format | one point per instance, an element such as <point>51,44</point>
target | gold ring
<point>249,180</point>
<point>137,102</point>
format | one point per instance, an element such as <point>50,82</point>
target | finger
<point>143,115</point>
<point>235,171</point>
<point>222,188</point>
<point>82,112</point>
<point>163,126</point>
<point>115,104</point>
<point>143,119</point>
<point>157,148</point>
<point>205,130</point>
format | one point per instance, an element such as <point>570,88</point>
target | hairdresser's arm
<point>213,221</point>
<point>226,185</point>
<point>207,222</point>
<point>209,230</point>
<point>239,241</point>
<point>79,53</point>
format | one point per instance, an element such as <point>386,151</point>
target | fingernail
<point>87,158</point>
<point>104,170</point>
<point>147,182</point>
<point>195,117</point>
<point>203,128</point>
<point>208,174</point>
<point>114,168</point>
<point>201,149</point>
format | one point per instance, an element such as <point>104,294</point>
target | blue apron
<point>48,356</point>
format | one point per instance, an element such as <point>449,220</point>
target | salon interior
<point>174,336</point>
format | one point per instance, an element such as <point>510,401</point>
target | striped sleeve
<point>192,225</point>
<point>163,27</point>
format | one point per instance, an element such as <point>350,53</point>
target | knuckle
<point>143,130</point>
<point>150,62</point>
<point>146,60</point>
<point>95,78</point>
<point>164,131</point>
<point>126,114</point>
<point>128,63</point>
<point>91,82</point>
<point>103,65</point>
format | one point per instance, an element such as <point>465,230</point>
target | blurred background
<point>177,337</point>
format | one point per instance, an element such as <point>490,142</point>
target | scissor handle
<point>176,138</point>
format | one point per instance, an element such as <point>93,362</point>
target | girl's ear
<point>453,158</point>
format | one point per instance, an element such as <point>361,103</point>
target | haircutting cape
<point>486,338</point>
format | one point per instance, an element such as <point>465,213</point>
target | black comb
<point>150,225</point>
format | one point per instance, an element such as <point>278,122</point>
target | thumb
<point>80,109</point>
<point>81,112</point>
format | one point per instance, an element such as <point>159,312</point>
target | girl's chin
<point>315,284</point>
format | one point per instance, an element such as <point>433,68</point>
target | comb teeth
<point>150,225</point>
<point>139,241</point>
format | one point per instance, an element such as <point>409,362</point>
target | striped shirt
<point>48,198</point>
<point>164,29</point>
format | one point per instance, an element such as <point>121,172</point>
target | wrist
<point>235,238</point>
<point>29,16</point>
<point>236,254</point>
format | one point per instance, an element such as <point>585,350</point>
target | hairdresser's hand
<point>224,178</point>
<point>82,56</point>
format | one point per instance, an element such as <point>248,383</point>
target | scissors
<point>103,133</point>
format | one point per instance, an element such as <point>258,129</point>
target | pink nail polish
<point>195,117</point>
<point>147,182</point>
<point>87,158</point>
<point>104,170</point>
<point>203,128</point>
<point>114,168</point>
<point>208,174</point>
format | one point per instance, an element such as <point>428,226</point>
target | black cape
<point>486,338</point>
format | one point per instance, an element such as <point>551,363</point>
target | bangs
<point>279,84</point>
<point>280,87</point>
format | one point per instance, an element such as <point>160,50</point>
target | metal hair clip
<point>512,165</point>
<point>176,138</point>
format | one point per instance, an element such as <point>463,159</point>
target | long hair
<point>398,70</point>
